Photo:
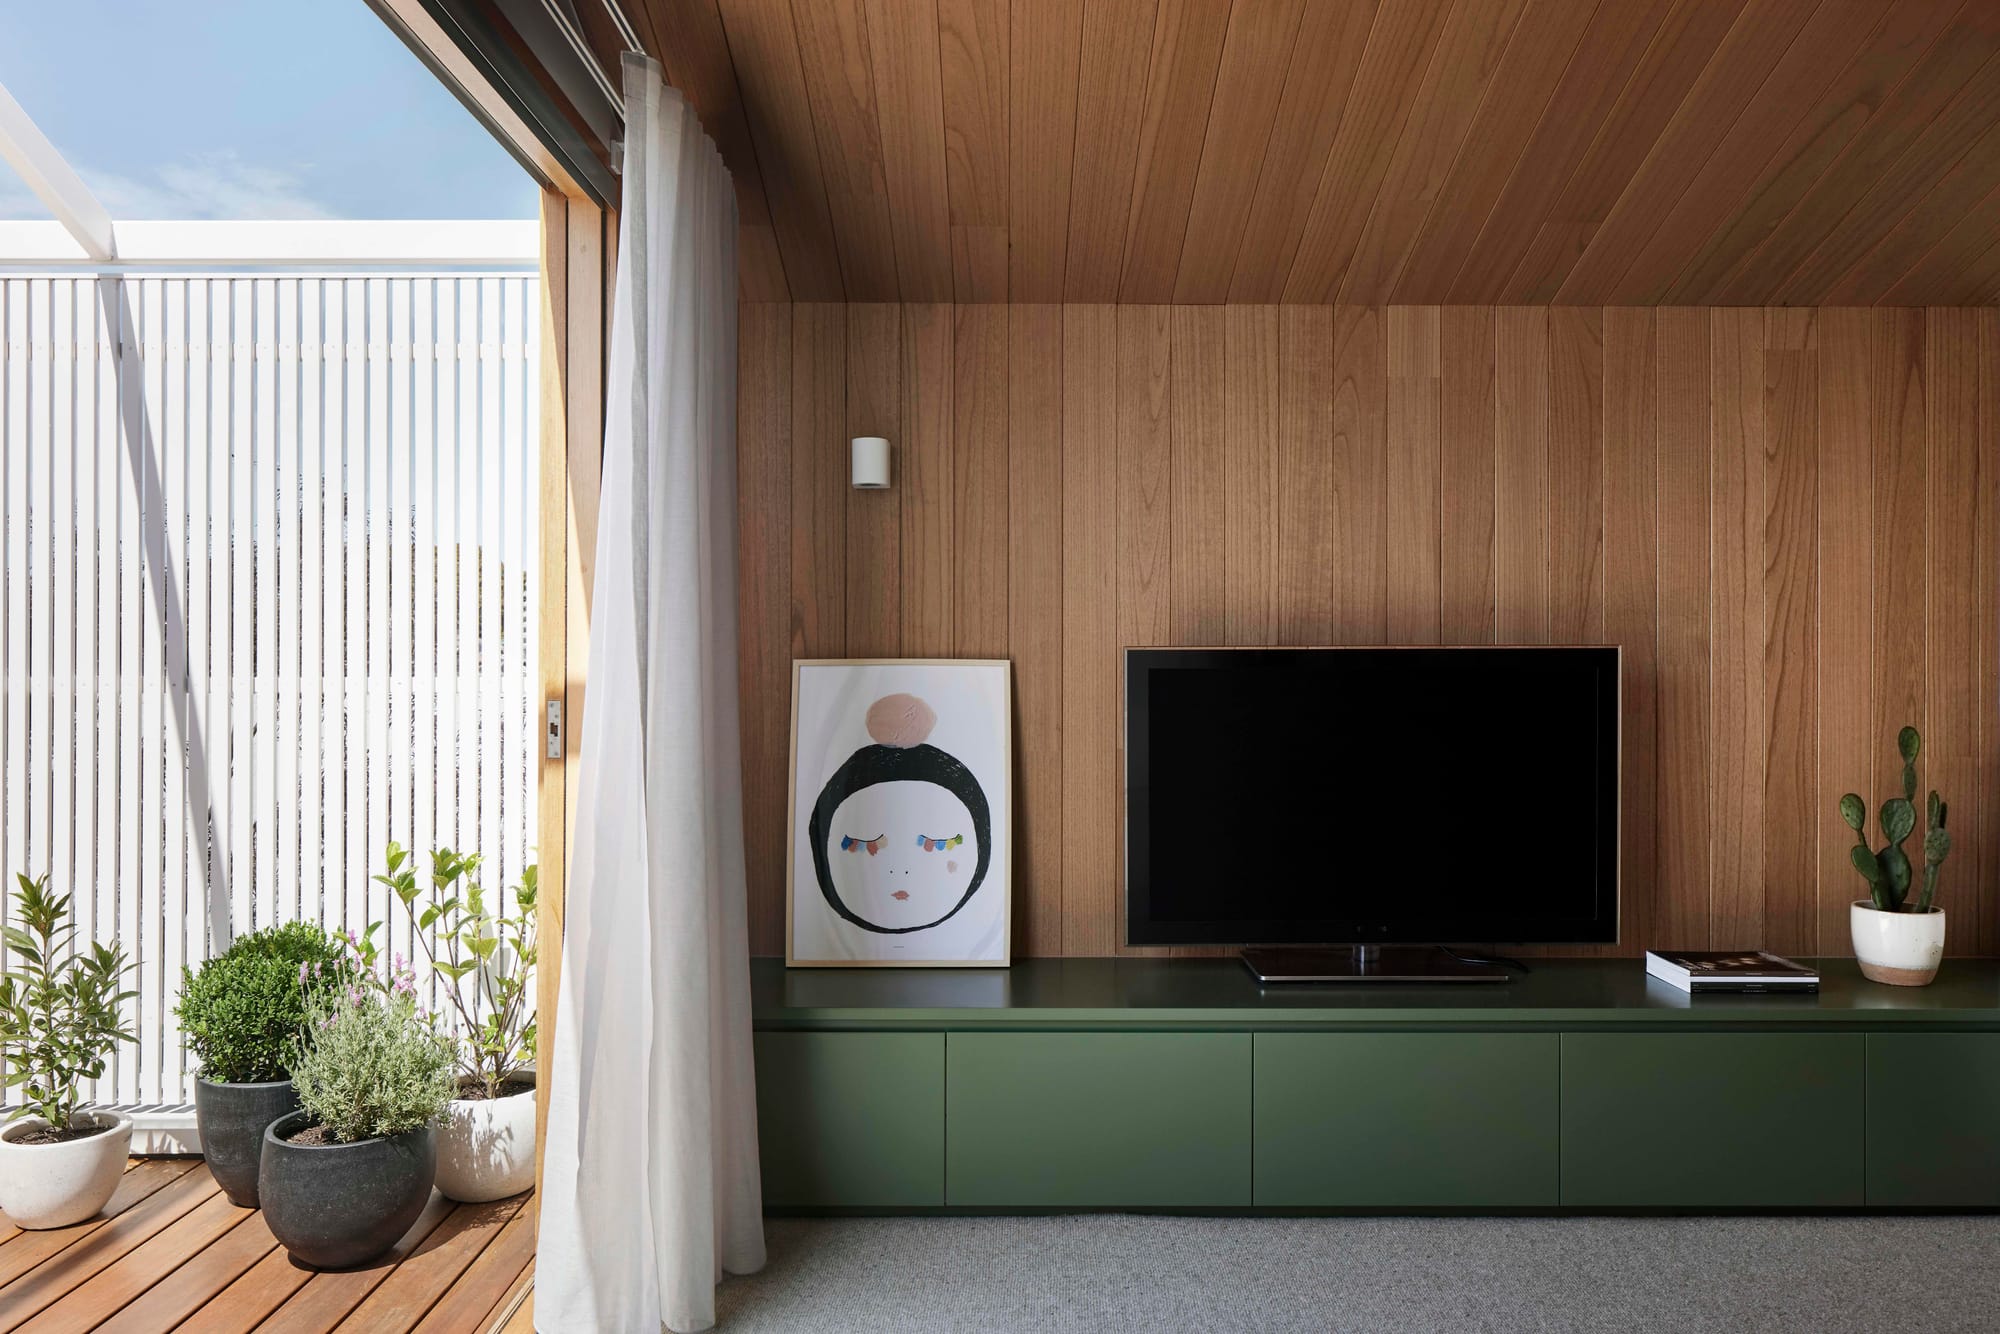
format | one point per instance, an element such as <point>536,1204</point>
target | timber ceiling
<point>1587,152</point>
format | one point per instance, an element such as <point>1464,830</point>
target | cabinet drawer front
<point>1934,1119</point>
<point>1722,1120</point>
<point>1104,1120</point>
<point>1406,1120</point>
<point>851,1119</point>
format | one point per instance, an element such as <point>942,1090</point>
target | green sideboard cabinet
<point>1406,1120</point>
<point>1146,1083</point>
<point>1934,1120</point>
<point>1711,1120</point>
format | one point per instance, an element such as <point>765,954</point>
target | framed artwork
<point>901,823</point>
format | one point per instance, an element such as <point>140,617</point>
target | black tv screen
<point>1371,795</point>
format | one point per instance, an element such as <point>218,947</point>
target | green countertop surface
<point>1183,994</point>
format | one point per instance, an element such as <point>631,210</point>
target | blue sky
<point>179,109</point>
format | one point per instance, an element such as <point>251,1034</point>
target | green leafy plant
<point>59,1019</point>
<point>242,1011</point>
<point>1887,869</point>
<point>371,1064</point>
<point>465,939</point>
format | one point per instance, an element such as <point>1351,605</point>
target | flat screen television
<point>1365,796</point>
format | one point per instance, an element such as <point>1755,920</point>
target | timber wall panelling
<point>1785,516</point>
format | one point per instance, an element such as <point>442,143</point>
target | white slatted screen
<point>268,601</point>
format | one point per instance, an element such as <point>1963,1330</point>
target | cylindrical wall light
<point>870,462</point>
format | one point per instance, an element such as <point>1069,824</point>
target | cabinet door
<point>1098,1120</point>
<point>851,1120</point>
<point>1406,1120</point>
<point>1711,1120</point>
<point>1934,1119</point>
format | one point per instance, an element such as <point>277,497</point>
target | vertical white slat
<point>83,450</point>
<point>400,620</point>
<point>13,581</point>
<point>61,608</point>
<point>445,514</point>
<point>197,599</point>
<point>283,606</point>
<point>311,593</point>
<point>333,607</point>
<point>423,512</point>
<point>376,533</point>
<point>143,456</point>
<point>531,565</point>
<point>114,733</point>
<point>491,468</point>
<point>139,764</point>
<point>244,873</point>
<point>355,664</point>
<point>166,460</point>
<point>469,426</point>
<point>267,804</point>
<point>41,595</point>
<point>221,606</point>
<point>516,816</point>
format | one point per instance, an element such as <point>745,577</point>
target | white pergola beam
<point>37,162</point>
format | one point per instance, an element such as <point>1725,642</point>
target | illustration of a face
<point>901,835</point>
<point>899,853</point>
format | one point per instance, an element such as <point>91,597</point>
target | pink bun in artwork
<point>900,720</point>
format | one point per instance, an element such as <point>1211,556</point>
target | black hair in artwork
<point>922,763</point>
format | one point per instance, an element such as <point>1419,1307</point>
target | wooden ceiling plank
<point>765,50</point>
<point>1961,268</point>
<point>1399,51</point>
<point>840,84</point>
<point>1262,35</point>
<point>1671,66</point>
<point>1832,37</point>
<point>1110,99</point>
<point>1959,194</point>
<point>1898,121</point>
<point>1325,56</point>
<point>972,52</point>
<point>1475,42</point>
<point>1842,111</point>
<point>1044,45</point>
<point>1730,81</point>
<point>687,37</point>
<point>1180,88</point>
<point>1545,41</point>
<point>1614,42</point>
<point>1964,126</point>
<point>909,113</point>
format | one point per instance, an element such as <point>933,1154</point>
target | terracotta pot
<point>1902,949</point>
<point>54,1185</point>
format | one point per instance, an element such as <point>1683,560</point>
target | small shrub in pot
<point>242,1013</point>
<point>59,1023</point>
<point>347,1174</point>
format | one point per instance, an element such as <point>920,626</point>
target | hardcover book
<point>1730,970</point>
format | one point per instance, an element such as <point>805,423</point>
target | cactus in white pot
<point>1899,937</point>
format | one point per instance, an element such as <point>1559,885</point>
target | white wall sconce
<point>870,458</point>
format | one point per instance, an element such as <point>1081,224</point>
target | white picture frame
<point>905,744</point>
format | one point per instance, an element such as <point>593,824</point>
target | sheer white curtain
<point>650,1180</point>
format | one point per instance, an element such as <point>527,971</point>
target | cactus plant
<point>1888,870</point>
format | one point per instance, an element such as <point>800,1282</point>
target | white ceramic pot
<point>54,1185</point>
<point>486,1149</point>
<point>1900,948</point>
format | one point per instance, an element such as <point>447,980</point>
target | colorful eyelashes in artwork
<point>849,843</point>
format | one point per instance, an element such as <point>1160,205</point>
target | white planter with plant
<point>486,1142</point>
<point>59,1023</point>
<point>1898,937</point>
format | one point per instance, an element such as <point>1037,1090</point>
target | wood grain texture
<point>1781,516</point>
<point>764,595</point>
<point>1475,151</point>
<point>874,518</point>
<point>924,487</point>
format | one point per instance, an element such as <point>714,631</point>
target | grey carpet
<point>1109,1273</point>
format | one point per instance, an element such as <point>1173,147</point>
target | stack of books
<point>1729,970</point>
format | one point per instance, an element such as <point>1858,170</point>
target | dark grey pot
<point>233,1118</point>
<point>334,1206</point>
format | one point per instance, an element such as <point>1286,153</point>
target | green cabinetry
<point>1712,1120</point>
<point>1934,1120</point>
<point>851,1120</point>
<point>1103,1120</point>
<point>1406,1120</point>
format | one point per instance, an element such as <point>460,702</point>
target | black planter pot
<point>334,1206</point>
<point>232,1119</point>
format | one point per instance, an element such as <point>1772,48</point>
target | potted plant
<point>58,1024</point>
<point>1898,941</point>
<point>242,1013</point>
<point>486,1143</point>
<point>344,1177</point>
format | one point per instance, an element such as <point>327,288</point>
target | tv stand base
<point>1365,963</point>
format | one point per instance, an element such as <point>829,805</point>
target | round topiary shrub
<point>242,1011</point>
